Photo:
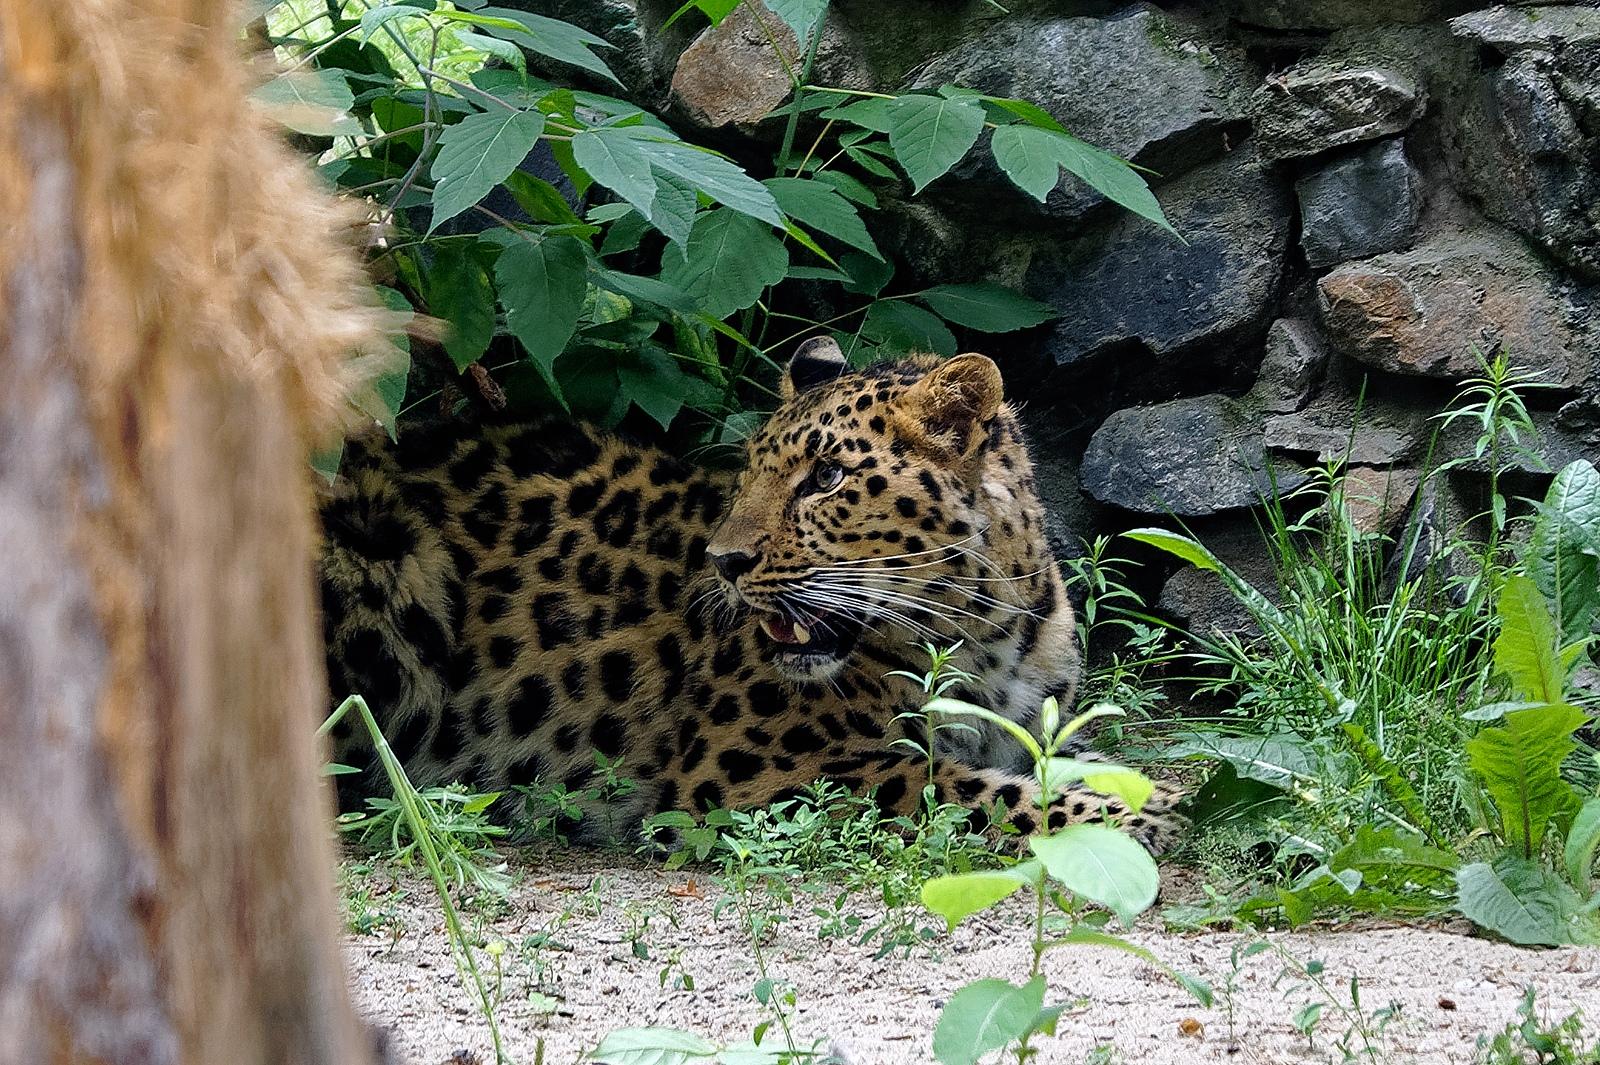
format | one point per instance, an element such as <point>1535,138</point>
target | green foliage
<point>1528,1040</point>
<point>670,286</point>
<point>1079,863</point>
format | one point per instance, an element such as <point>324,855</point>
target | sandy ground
<point>588,937</point>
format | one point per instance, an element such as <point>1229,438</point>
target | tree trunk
<point>176,305</point>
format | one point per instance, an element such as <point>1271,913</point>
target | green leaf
<point>930,134</point>
<point>1519,900</point>
<point>652,379</point>
<point>1583,840</point>
<point>905,327</point>
<point>713,175</point>
<point>561,41</point>
<point>961,895</point>
<point>822,207</point>
<point>1029,155</point>
<point>728,260</point>
<point>674,208</point>
<point>651,1046</point>
<point>313,102</point>
<point>1278,759</point>
<point>325,461</point>
<point>799,15</point>
<point>459,292</point>
<point>1520,765</point>
<point>541,200</point>
<point>1527,649</point>
<point>1102,865</point>
<point>848,187</point>
<point>1564,551</point>
<point>1129,785</point>
<point>542,287</point>
<point>1394,779</point>
<point>614,158</point>
<point>986,307</point>
<point>374,18</point>
<point>1391,848</point>
<point>983,1016</point>
<point>1268,616</point>
<point>715,10</point>
<point>872,114</point>
<point>476,154</point>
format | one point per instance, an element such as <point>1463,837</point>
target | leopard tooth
<point>802,635</point>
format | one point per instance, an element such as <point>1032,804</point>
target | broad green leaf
<point>1102,865</point>
<point>1281,760</point>
<point>459,291</point>
<point>713,175</point>
<point>961,895</point>
<point>478,153</point>
<point>930,134</point>
<point>614,158</point>
<point>1268,616</point>
<point>1583,840</point>
<point>1129,785</point>
<point>1527,650</point>
<point>1520,765</point>
<point>872,114</point>
<point>1519,900</point>
<point>868,276</point>
<point>983,1016</point>
<point>652,380</point>
<point>313,102</point>
<point>647,290</point>
<point>652,1046</point>
<point>1030,154</point>
<point>799,15</point>
<point>848,187</point>
<point>715,10</point>
<point>1031,113</point>
<point>541,287</point>
<point>674,208</point>
<point>502,50</point>
<point>1386,848</point>
<point>383,398</point>
<point>561,41</point>
<point>728,260</point>
<point>541,200</point>
<point>867,162</point>
<point>946,706</point>
<point>373,18</point>
<point>325,461</point>
<point>822,207</point>
<point>900,326</point>
<point>1564,551</point>
<point>986,307</point>
<point>1029,161</point>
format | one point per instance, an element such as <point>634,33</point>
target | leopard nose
<point>734,564</point>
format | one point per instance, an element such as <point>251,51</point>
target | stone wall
<point>1368,191</point>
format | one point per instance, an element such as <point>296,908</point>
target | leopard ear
<point>815,362</point>
<point>947,407</point>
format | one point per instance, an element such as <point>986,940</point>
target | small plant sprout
<point>922,730</point>
<point>1081,863</point>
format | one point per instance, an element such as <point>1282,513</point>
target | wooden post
<point>176,303</point>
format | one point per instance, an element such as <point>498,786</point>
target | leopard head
<point>891,504</point>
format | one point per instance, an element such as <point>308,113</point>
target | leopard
<point>530,604</point>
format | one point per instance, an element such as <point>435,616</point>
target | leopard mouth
<point>808,648</point>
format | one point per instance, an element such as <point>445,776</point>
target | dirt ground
<point>594,943</point>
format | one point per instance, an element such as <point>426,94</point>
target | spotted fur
<point>514,599</point>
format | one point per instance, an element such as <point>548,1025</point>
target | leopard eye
<point>825,477</point>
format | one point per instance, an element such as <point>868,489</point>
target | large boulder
<point>1362,203</point>
<point>732,72</point>
<point>1291,367</point>
<point>1528,131</point>
<point>1190,457</point>
<point>1143,83</point>
<point>1342,425</point>
<point>1131,281</point>
<point>1325,102</point>
<point>1329,14</point>
<point>1427,310</point>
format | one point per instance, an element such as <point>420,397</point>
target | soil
<point>596,942</point>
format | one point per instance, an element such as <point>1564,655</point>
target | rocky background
<point>1369,191</point>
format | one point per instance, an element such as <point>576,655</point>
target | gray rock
<point>1373,431</point>
<point>1359,204</point>
<point>1321,103</point>
<point>1190,457</point>
<point>1293,364</point>
<point>1329,14</point>
<point>1557,439</point>
<point>1425,311</point>
<point>1376,499</point>
<point>1129,280</point>
<point>1197,599</point>
<point>1527,141</point>
<point>1511,29</point>
<point>1144,84</point>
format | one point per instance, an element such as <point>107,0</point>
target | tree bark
<point>166,888</point>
